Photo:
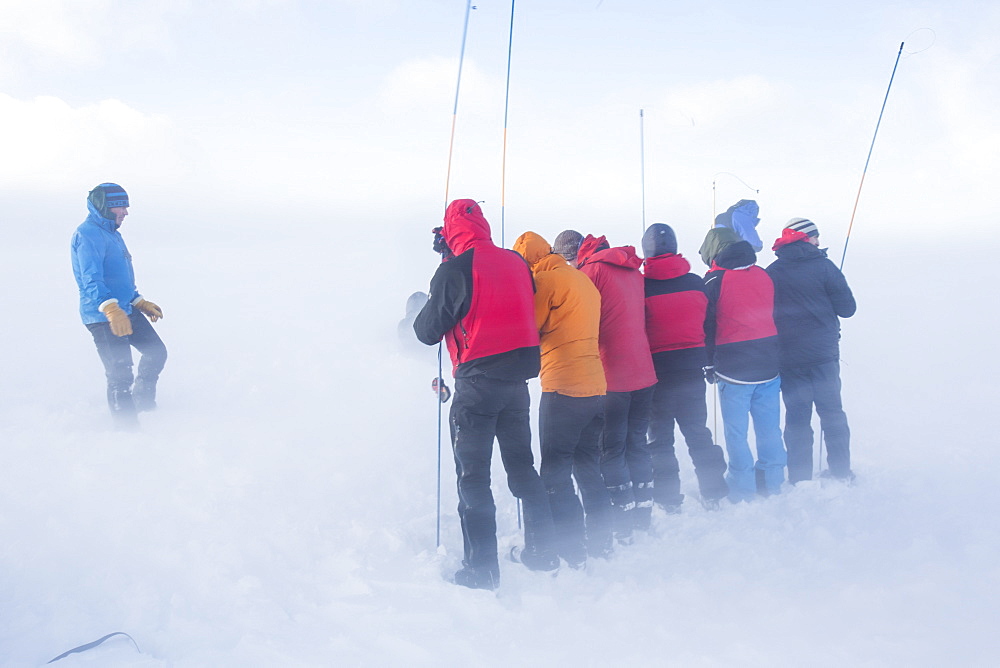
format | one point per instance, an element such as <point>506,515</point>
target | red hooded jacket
<point>628,364</point>
<point>482,300</point>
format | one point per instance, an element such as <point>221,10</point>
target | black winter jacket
<point>810,293</point>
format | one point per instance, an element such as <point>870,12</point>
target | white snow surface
<point>279,507</point>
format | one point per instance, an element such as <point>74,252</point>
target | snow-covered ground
<point>279,508</point>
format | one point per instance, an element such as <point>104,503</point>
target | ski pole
<point>503,161</point>
<point>454,111</point>
<point>503,168</point>
<point>642,167</point>
<point>440,385</point>
<point>868,159</point>
<point>447,185</point>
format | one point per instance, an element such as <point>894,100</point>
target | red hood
<point>465,226</point>
<point>622,256</point>
<point>787,237</point>
<point>669,265</point>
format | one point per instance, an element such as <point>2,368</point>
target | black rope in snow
<point>92,645</point>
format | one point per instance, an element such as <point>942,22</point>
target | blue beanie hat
<point>107,196</point>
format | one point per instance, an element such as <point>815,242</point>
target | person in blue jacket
<point>112,308</point>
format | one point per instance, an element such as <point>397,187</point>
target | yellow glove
<point>149,308</point>
<point>120,324</point>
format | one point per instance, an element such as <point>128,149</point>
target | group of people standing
<point>623,347</point>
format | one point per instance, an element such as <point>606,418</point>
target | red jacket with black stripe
<point>481,302</point>
<point>740,336</point>
<point>675,314</point>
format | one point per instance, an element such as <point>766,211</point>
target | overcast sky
<point>318,112</point>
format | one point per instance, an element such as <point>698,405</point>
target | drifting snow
<point>279,507</point>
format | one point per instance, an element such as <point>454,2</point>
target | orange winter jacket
<point>568,314</point>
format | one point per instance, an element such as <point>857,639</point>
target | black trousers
<point>679,397</point>
<point>116,353</point>
<point>570,438</point>
<point>483,409</point>
<point>801,387</point>
<point>625,454</point>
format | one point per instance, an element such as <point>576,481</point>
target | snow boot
<point>534,560</point>
<point>667,494</point>
<point>709,504</point>
<point>622,509</point>
<point>643,513</point>
<point>478,578</point>
<point>601,547</point>
<point>712,485</point>
<point>144,394</point>
<point>847,478</point>
<point>123,410</point>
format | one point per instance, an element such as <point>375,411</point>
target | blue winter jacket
<point>102,266</point>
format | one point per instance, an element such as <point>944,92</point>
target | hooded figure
<point>571,414</point>
<point>810,296</point>
<point>113,310</point>
<point>628,367</point>
<point>482,303</point>
<point>741,342</point>
<point>568,316</point>
<point>716,239</point>
<point>742,218</point>
<point>675,324</point>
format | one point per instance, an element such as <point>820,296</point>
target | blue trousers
<point>761,402</point>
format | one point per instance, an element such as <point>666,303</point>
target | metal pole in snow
<point>503,166</point>
<point>503,163</point>
<point>447,185</point>
<point>868,159</point>
<point>454,112</point>
<point>642,166</point>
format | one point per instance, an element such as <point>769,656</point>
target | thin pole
<point>447,185</point>
<point>503,168</point>
<point>755,190</point>
<point>503,163</point>
<point>642,166</point>
<point>868,159</point>
<point>440,386</point>
<point>454,112</point>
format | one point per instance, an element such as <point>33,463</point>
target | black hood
<point>739,254</point>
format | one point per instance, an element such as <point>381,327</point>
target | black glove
<point>709,374</point>
<point>444,394</point>
<point>440,245</point>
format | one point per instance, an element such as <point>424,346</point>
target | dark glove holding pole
<point>444,394</point>
<point>709,374</point>
<point>440,245</point>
